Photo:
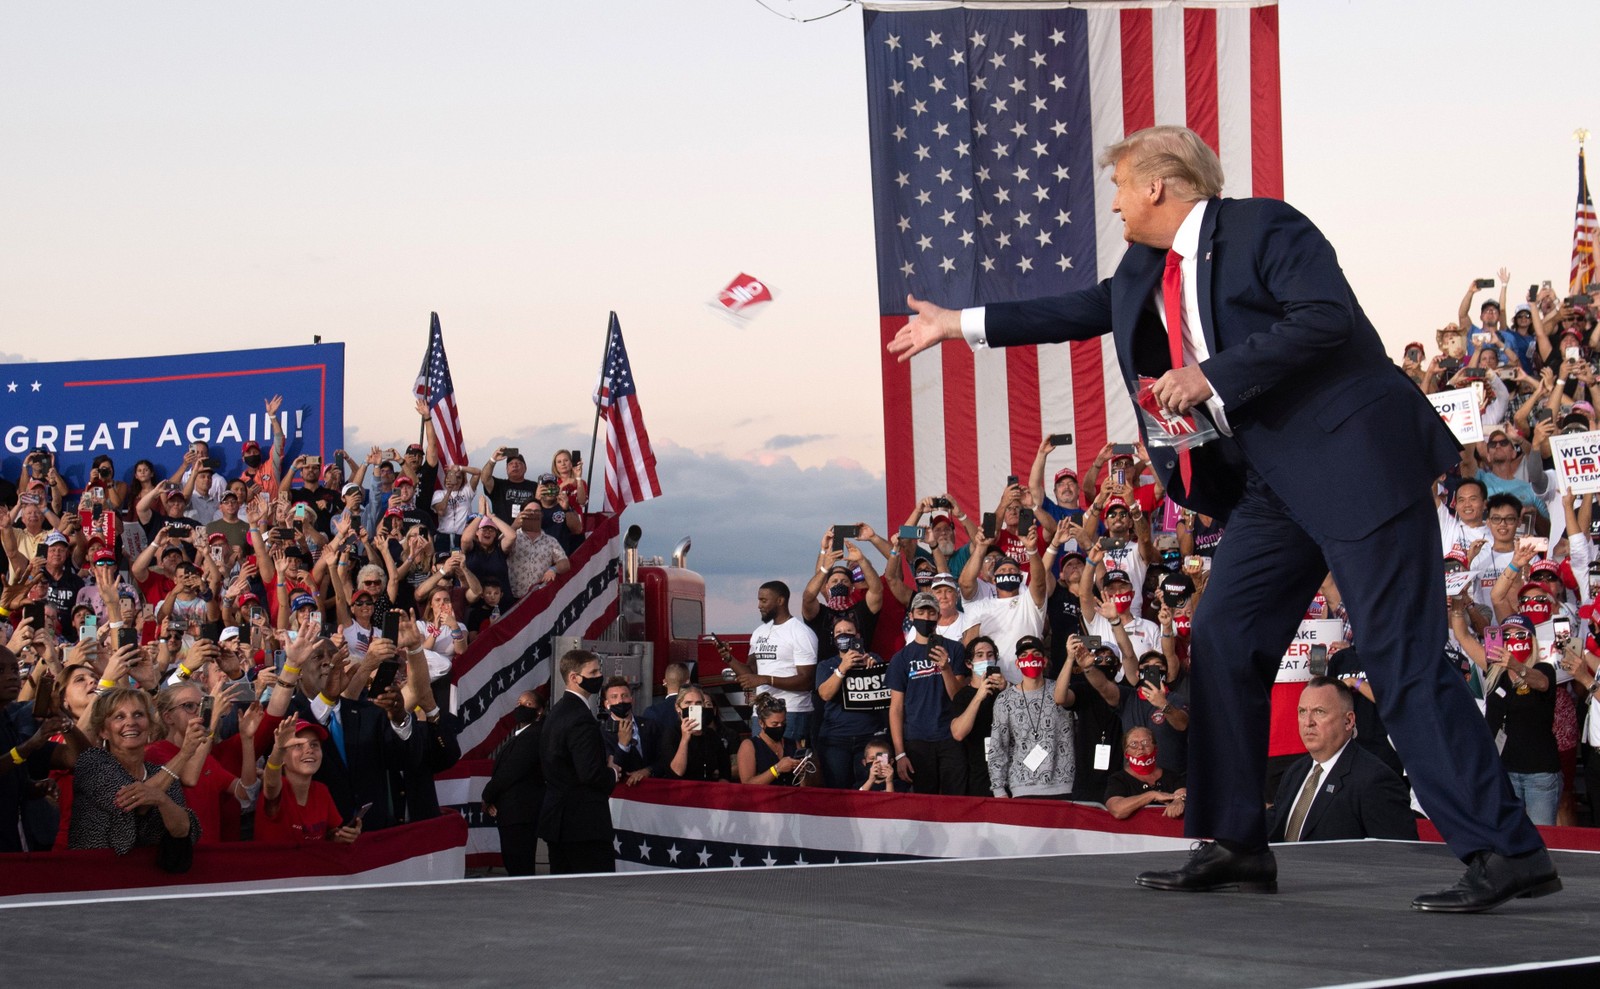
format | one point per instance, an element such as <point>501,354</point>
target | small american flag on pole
<point>1583,235</point>
<point>434,387</point>
<point>630,463</point>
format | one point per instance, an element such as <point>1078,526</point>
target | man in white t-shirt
<point>783,658</point>
<point>1113,614</point>
<point>1461,523</point>
<point>1013,612</point>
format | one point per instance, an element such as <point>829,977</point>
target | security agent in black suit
<point>576,821</point>
<point>1325,461</point>
<point>1338,790</point>
<point>664,712</point>
<point>514,795</point>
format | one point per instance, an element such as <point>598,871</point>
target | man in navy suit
<point>1325,460</point>
<point>1338,790</point>
<point>575,821</point>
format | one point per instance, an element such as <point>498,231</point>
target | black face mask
<point>621,711</point>
<point>1008,582</point>
<point>591,685</point>
<point>525,715</point>
<point>253,460</point>
<point>774,732</point>
<point>925,627</point>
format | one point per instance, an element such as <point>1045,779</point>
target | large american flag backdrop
<point>985,124</point>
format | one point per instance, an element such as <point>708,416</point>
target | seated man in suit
<point>514,795</point>
<point>665,711</point>
<point>1338,790</point>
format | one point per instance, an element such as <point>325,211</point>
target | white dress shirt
<point>1327,769</point>
<point>1187,243</point>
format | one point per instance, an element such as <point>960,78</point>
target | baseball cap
<point>518,457</point>
<point>1066,472</point>
<point>228,634</point>
<point>940,518</point>
<point>348,489</point>
<point>311,726</point>
<point>840,567</point>
<point>1460,556</point>
<point>945,580</point>
<point>251,446</point>
<point>404,479</point>
<point>1521,621</point>
<point>302,601</point>
<point>1414,345</point>
<point>1488,303</point>
<point>1545,566</point>
<point>1112,576</point>
<point>414,448</point>
<point>922,599</point>
<point>1029,642</point>
<point>548,478</point>
<point>358,595</point>
<point>103,556</point>
<point>1073,554</point>
<point>1115,501</point>
<point>55,539</point>
<point>216,537</point>
<point>249,596</point>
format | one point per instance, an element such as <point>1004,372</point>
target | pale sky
<point>195,176</point>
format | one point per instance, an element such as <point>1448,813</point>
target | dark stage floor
<point>1343,916</point>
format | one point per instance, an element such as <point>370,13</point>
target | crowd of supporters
<point>191,657</point>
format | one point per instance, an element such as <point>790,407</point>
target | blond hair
<point>1176,155</point>
<point>107,702</point>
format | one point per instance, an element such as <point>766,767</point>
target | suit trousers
<point>568,857</point>
<point>1263,576</point>
<point>519,848</point>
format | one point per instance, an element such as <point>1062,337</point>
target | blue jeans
<point>841,760</point>
<point>1540,793</point>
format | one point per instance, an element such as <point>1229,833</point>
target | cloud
<point>784,441</point>
<point>17,359</point>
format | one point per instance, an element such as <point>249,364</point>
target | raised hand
<point>929,326</point>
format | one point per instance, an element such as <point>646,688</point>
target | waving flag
<point>434,387</point>
<point>985,124</point>
<point>1583,236</point>
<point>630,463</point>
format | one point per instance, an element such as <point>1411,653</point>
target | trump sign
<point>152,408</point>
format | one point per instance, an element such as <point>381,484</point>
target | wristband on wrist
<point>324,698</point>
<point>275,767</point>
<point>19,759</point>
<point>774,772</point>
<point>169,772</point>
<point>184,672</point>
<point>899,757</point>
<point>107,684</point>
<point>291,669</point>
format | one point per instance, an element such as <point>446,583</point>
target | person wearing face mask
<point>1153,695</point>
<point>575,822</point>
<point>1031,752</point>
<point>976,701</point>
<point>514,795</point>
<point>953,622</point>
<point>830,595</point>
<point>1520,695</point>
<point>1014,611</point>
<point>923,677</point>
<point>1113,615</point>
<point>622,730</point>
<point>691,743</point>
<point>1142,782</point>
<point>769,757</point>
<point>852,685</point>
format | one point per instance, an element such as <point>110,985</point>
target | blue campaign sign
<point>152,408</point>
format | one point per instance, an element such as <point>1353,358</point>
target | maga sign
<point>1577,457</point>
<point>1459,410</point>
<point>1295,668</point>
<point>153,407</point>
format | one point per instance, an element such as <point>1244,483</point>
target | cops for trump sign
<point>154,407</point>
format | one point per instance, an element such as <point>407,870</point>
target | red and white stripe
<point>630,462</point>
<point>1583,236</point>
<point>961,422</point>
<point>447,427</point>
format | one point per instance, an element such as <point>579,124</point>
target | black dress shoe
<point>1212,867</point>
<point>1493,879</point>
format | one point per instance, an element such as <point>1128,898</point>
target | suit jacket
<point>516,787</point>
<point>372,751</point>
<point>1359,798</point>
<point>1316,407</point>
<point>578,782</point>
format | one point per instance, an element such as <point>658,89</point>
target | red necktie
<point>1172,298</point>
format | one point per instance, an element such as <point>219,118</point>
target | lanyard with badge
<point>1037,722</point>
